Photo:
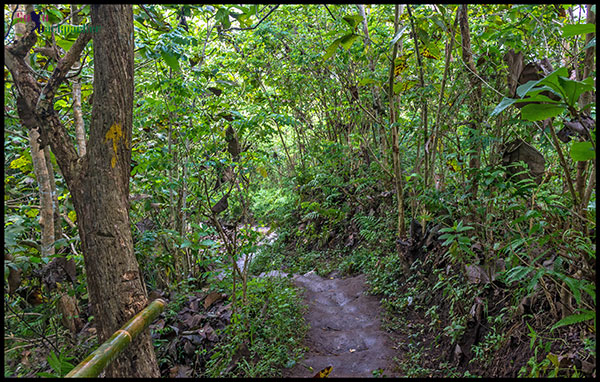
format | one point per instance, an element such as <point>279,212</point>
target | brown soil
<point>345,329</point>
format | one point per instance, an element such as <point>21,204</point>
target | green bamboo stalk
<point>93,365</point>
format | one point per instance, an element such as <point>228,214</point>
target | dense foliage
<point>251,116</point>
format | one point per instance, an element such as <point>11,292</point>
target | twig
<point>255,26</point>
<point>148,13</point>
<point>375,157</point>
<point>11,20</point>
<point>23,314</point>
<point>80,67</point>
<point>42,336</point>
<point>326,7</point>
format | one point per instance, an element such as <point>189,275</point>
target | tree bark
<point>46,211</point>
<point>423,106</point>
<point>77,114</point>
<point>436,126</point>
<point>374,88</point>
<point>395,145</point>
<point>475,100</point>
<point>115,284</point>
<point>587,98</point>
<point>41,171</point>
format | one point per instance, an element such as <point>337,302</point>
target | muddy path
<point>345,329</point>
<point>345,325</point>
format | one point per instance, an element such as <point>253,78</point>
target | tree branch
<point>255,26</point>
<point>326,7</point>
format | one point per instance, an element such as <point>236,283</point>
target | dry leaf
<point>212,298</point>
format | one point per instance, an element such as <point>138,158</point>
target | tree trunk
<point>40,169</point>
<point>395,145</point>
<point>436,127</point>
<point>115,285</point>
<point>77,114</point>
<point>46,212</point>
<point>586,98</point>
<point>475,100</point>
<point>423,106</point>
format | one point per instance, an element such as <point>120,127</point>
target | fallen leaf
<point>324,373</point>
<point>212,298</point>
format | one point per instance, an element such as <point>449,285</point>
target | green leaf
<point>575,318</point>
<point>582,151</point>
<point>590,44</point>
<point>348,40</point>
<point>551,80</point>
<point>506,102</point>
<point>366,81</point>
<point>534,280</point>
<point>573,89</point>
<point>398,35</point>
<point>65,44</point>
<point>538,97</point>
<point>223,17</point>
<point>171,60</point>
<point>207,243</point>
<point>526,87</point>
<point>352,20</point>
<point>539,112</point>
<point>572,30</point>
<point>330,51</point>
<point>56,13</point>
<point>517,273</point>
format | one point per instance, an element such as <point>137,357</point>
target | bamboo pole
<point>93,365</point>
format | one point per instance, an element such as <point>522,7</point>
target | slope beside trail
<point>345,329</point>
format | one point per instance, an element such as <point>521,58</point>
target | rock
<point>476,274</point>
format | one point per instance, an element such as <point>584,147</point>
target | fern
<point>369,226</point>
<point>310,216</point>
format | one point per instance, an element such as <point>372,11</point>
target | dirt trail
<point>345,325</point>
<point>345,329</point>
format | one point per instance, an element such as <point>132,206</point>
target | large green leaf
<point>572,30</point>
<point>575,318</point>
<point>582,151</point>
<point>523,89</point>
<point>506,102</point>
<point>171,60</point>
<point>330,51</point>
<point>223,17</point>
<point>65,44</point>
<point>538,98</point>
<point>352,20</point>
<point>550,80</point>
<point>574,89</point>
<point>348,40</point>
<point>539,112</point>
